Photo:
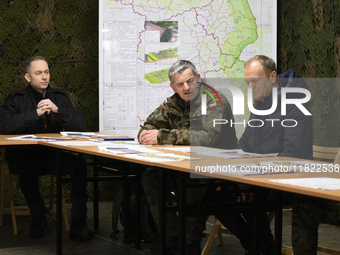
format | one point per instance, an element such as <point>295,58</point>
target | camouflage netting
<point>309,43</point>
<point>66,33</point>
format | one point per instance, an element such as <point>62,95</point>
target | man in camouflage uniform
<point>308,213</point>
<point>170,124</point>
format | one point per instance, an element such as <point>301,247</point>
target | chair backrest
<point>328,153</point>
<point>337,158</point>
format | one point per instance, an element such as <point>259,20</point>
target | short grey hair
<point>32,59</point>
<point>267,63</point>
<point>180,66</point>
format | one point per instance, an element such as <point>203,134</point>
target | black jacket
<point>18,114</point>
<point>287,141</point>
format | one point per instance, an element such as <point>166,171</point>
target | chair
<point>319,152</point>
<point>7,177</point>
<point>327,153</point>
<point>217,230</point>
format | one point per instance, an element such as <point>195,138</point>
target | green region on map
<point>245,33</point>
<point>161,55</point>
<point>158,76</point>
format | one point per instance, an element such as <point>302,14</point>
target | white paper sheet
<point>78,134</point>
<point>38,138</point>
<point>119,149</point>
<point>185,149</point>
<point>76,143</point>
<point>22,137</point>
<point>324,183</point>
<point>229,154</point>
<point>159,157</point>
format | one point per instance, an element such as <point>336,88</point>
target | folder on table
<point>115,138</point>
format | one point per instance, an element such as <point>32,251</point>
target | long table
<point>263,181</point>
<point>184,167</point>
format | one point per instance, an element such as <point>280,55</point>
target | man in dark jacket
<point>38,108</point>
<point>288,135</point>
<point>285,139</point>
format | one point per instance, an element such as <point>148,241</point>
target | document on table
<point>185,149</point>
<point>115,138</point>
<point>75,143</point>
<point>78,134</point>
<point>165,157</point>
<point>324,183</point>
<point>285,166</point>
<point>22,137</point>
<point>228,154</point>
<point>38,138</point>
<point>121,149</point>
<point>113,143</point>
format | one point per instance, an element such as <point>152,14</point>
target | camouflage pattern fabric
<point>181,122</point>
<point>194,225</point>
<point>308,213</point>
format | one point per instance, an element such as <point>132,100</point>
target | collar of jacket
<point>196,102</point>
<point>177,104</point>
<point>186,106</point>
<point>268,101</point>
<point>38,96</point>
<point>288,79</point>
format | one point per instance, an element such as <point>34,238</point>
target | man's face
<point>258,80</point>
<point>186,84</point>
<point>38,76</point>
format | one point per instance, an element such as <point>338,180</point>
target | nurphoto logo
<point>238,105</point>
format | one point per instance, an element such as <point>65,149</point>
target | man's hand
<point>46,106</point>
<point>148,136</point>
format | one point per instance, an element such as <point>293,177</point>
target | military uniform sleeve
<point>12,120</point>
<point>159,120</point>
<point>173,129</point>
<point>168,132</point>
<point>194,128</point>
<point>202,127</point>
<point>68,117</point>
<point>174,136</point>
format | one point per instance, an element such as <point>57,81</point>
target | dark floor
<point>103,244</point>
